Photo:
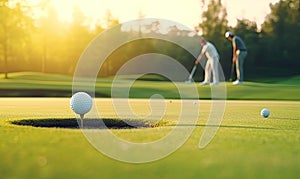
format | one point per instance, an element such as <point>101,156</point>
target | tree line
<point>45,44</point>
<point>272,50</point>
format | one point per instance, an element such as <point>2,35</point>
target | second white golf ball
<point>265,112</point>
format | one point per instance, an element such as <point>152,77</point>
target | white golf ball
<point>265,112</point>
<point>81,103</point>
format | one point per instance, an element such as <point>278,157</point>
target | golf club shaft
<point>231,72</point>
<point>193,72</point>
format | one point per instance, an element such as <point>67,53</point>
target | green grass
<point>38,84</point>
<point>246,145</point>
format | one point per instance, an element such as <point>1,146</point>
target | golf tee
<point>81,116</point>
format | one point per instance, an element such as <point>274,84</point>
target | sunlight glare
<point>187,12</point>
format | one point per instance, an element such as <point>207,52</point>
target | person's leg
<point>237,69</point>
<point>215,70</point>
<point>240,65</point>
<point>207,74</point>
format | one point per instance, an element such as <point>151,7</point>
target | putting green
<point>246,145</point>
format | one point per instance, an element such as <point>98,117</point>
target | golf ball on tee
<point>265,112</point>
<point>81,103</point>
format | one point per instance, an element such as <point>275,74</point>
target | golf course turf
<point>246,145</point>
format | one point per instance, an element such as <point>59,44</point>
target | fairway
<point>245,146</point>
<point>29,84</point>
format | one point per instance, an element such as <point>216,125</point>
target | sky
<point>186,12</point>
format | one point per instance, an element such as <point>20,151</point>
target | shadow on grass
<point>226,126</point>
<point>41,93</point>
<point>113,124</point>
<point>85,123</point>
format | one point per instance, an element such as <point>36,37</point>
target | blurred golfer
<point>239,54</point>
<point>212,64</point>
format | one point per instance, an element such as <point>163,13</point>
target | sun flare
<point>184,12</point>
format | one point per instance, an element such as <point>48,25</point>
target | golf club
<point>192,74</point>
<point>231,72</point>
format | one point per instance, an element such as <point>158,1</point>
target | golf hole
<point>88,123</point>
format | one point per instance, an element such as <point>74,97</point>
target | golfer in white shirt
<point>212,64</point>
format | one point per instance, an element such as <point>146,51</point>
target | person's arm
<point>199,58</point>
<point>201,55</point>
<point>234,55</point>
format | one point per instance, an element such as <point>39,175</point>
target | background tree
<point>14,32</point>
<point>51,33</point>
<point>272,51</point>
<point>214,21</point>
<point>77,38</point>
<point>280,33</point>
<point>46,43</point>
